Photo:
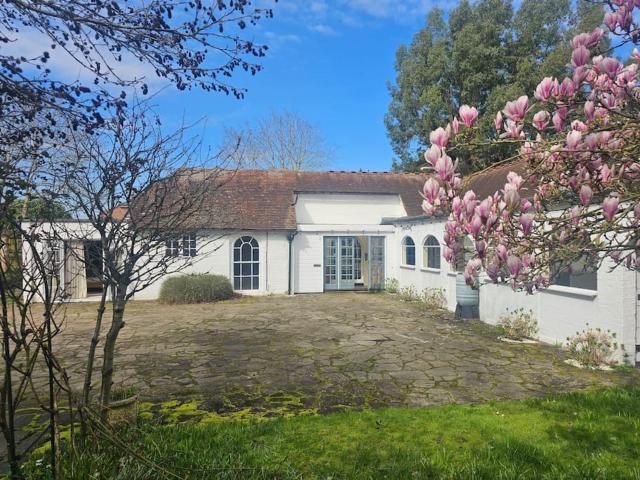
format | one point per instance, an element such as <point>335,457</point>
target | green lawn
<point>578,436</point>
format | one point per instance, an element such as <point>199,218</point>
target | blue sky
<point>329,61</point>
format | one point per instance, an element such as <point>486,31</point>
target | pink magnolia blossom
<point>611,21</point>
<point>448,254</point>
<point>526,222</point>
<point>431,190</point>
<point>610,66</point>
<point>589,110</point>
<point>428,208</point>
<point>605,173</point>
<point>433,154</point>
<point>474,226</point>
<point>498,121</point>
<point>440,136</point>
<point>518,109</point>
<point>574,137</point>
<point>545,89</point>
<point>610,207</point>
<point>541,119</point>
<point>558,122</point>
<point>514,265</point>
<point>580,126</point>
<point>515,180</point>
<point>512,130</point>
<point>502,253</point>
<point>512,198</point>
<point>456,125</point>
<point>588,40</point>
<point>580,56</point>
<point>566,88</point>
<point>481,248</point>
<point>445,168</point>
<point>468,115</point>
<point>585,195</point>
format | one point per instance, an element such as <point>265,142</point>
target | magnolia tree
<point>579,141</point>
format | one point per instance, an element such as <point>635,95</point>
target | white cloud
<point>279,40</point>
<point>403,11</point>
<point>323,29</point>
<point>325,17</point>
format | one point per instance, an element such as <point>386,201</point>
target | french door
<point>345,266</point>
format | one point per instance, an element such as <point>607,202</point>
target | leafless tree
<point>283,140</point>
<point>31,315</point>
<point>147,195</point>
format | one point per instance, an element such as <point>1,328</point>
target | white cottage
<point>281,232</point>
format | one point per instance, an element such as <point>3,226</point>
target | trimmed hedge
<point>196,288</point>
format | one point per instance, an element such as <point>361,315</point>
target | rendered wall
<point>346,209</point>
<point>217,258</point>
<point>560,311</point>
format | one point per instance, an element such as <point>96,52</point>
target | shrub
<point>518,324</point>
<point>592,348</point>
<point>196,288</point>
<point>391,285</point>
<point>433,298</point>
<point>408,293</point>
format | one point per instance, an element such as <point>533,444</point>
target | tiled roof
<point>264,199</point>
<point>491,180</point>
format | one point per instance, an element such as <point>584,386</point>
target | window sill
<point>430,270</point>
<point>452,274</point>
<point>576,292</point>
<point>408,267</point>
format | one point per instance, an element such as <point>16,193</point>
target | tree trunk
<point>86,390</point>
<point>53,403</point>
<point>117,322</point>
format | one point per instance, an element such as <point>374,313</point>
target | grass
<point>594,435</point>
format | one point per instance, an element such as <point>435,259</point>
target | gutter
<point>412,219</point>
<point>290,236</point>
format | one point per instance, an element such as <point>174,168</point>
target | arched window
<point>246,264</point>
<point>408,251</point>
<point>431,253</point>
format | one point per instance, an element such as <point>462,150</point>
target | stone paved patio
<point>325,351</point>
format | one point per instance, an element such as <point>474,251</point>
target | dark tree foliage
<point>191,43</point>
<point>483,54</point>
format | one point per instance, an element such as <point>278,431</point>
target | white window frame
<point>431,253</point>
<point>405,247</point>
<point>240,262</point>
<point>185,247</point>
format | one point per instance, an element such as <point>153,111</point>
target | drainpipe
<point>290,236</point>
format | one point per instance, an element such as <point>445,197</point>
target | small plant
<point>196,288</point>
<point>518,324</point>
<point>592,347</point>
<point>391,285</point>
<point>433,298</point>
<point>409,293</point>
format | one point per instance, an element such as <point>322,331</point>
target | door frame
<point>338,260</point>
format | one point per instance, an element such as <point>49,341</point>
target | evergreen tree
<point>482,54</point>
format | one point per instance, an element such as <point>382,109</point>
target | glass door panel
<point>331,263</point>
<point>376,263</point>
